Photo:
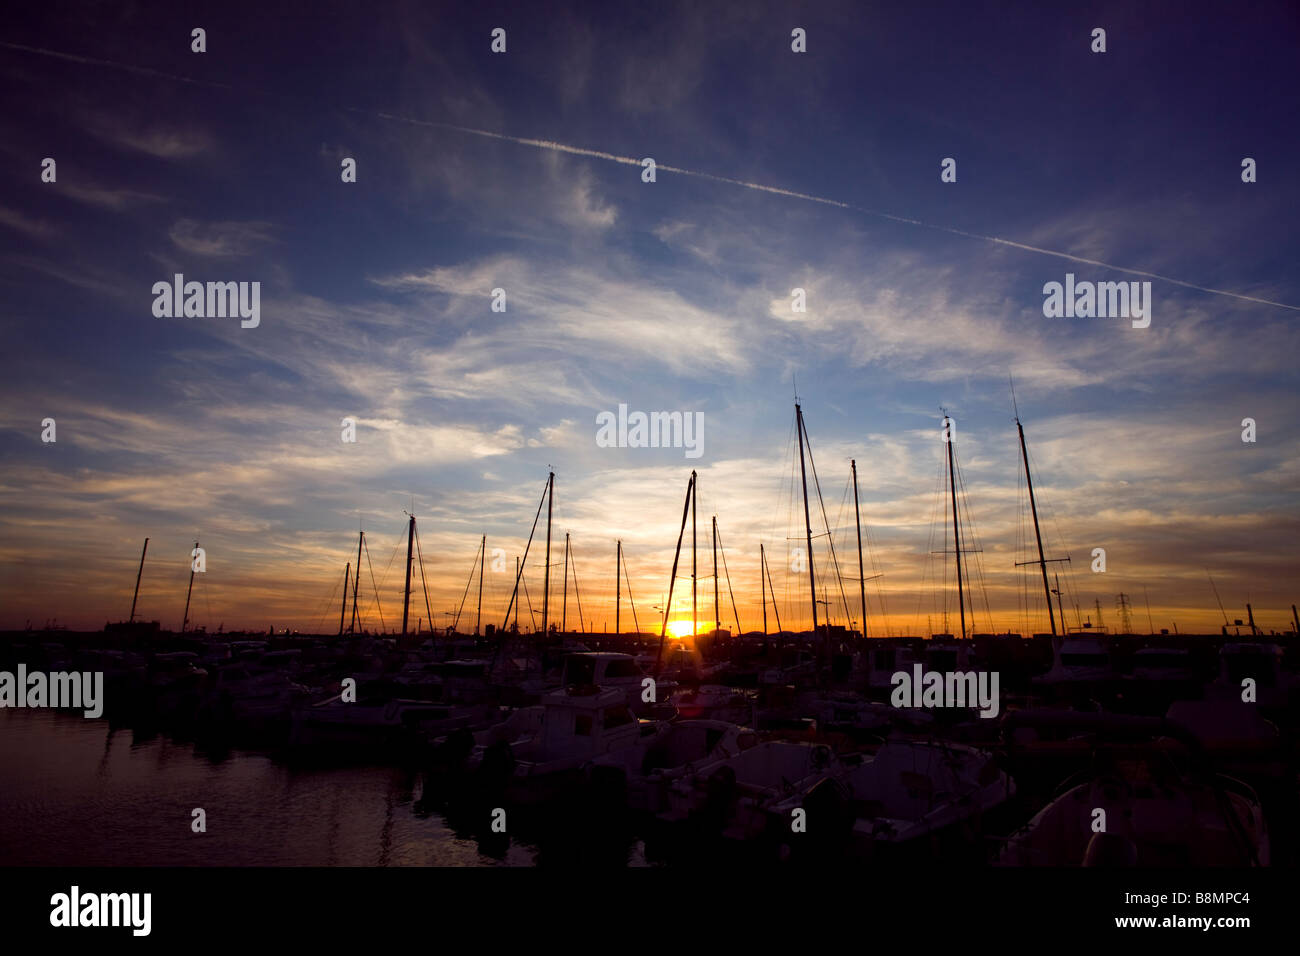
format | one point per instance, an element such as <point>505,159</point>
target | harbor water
<point>77,792</point>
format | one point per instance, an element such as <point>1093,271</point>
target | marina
<point>698,742</point>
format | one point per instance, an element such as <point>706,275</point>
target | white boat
<point>553,743</point>
<point>736,791</point>
<point>883,661</point>
<point>1164,806</point>
<point>907,790</point>
<point>641,774</point>
<point>1081,668</point>
<point>1261,662</point>
<point>609,670</point>
<point>1170,823</point>
<point>947,656</point>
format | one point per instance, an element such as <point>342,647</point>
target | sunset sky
<point>666,296</point>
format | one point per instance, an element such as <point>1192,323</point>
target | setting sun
<point>680,629</point>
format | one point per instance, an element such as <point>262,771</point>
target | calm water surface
<point>75,792</point>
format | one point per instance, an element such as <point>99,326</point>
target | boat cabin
<point>585,722</point>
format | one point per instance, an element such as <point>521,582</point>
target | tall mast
<point>514,595</point>
<point>772,592</point>
<point>672,578</point>
<point>356,583</point>
<point>956,528</point>
<point>136,596</point>
<point>695,577</point>
<point>1059,606</point>
<point>478,618</point>
<point>546,586</point>
<point>762,585</point>
<point>189,591</point>
<point>807,519</point>
<point>618,584</point>
<point>343,606</point>
<point>1038,536</point>
<point>406,600</point>
<point>857,523</point>
<point>564,613</point>
<point>717,614</point>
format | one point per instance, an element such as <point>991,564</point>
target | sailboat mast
<point>857,523</point>
<point>406,600</point>
<point>762,585</point>
<point>564,611</point>
<point>546,586</point>
<point>772,593</point>
<point>672,578</point>
<point>514,595</point>
<point>695,577</point>
<point>956,528</point>
<point>189,591</point>
<point>618,584</point>
<point>343,606</point>
<point>356,582</point>
<point>478,617</point>
<point>138,574</point>
<point>1038,536</point>
<point>1059,606</point>
<point>807,519</point>
<point>717,613</point>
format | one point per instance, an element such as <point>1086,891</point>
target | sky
<point>521,171</point>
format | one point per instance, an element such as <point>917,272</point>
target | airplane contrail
<point>633,161</point>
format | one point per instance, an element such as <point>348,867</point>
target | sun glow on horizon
<point>679,629</point>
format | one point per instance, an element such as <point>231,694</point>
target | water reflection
<point>72,795</point>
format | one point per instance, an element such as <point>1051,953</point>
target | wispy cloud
<point>219,239</point>
<point>113,199</point>
<point>32,228</point>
